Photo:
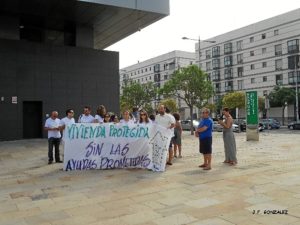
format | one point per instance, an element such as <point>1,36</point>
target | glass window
<point>228,60</point>
<point>239,45</point>
<point>251,53</point>
<point>264,64</point>
<point>279,79</point>
<point>157,77</point>
<point>216,51</point>
<point>252,80</point>
<point>278,64</point>
<point>216,63</point>
<point>208,54</point>
<point>240,71</point>
<point>263,50</point>
<point>229,86</point>
<point>240,84</point>
<point>252,66</point>
<point>217,87</point>
<point>228,48</point>
<point>251,39</point>
<point>278,49</point>
<point>215,75</point>
<point>157,68</point>
<point>293,61</point>
<point>208,66</point>
<point>228,74</point>
<point>263,36</point>
<point>166,77</point>
<point>293,46</point>
<point>265,78</point>
<point>276,32</point>
<point>239,58</point>
<point>293,78</point>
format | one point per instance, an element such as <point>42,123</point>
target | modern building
<point>255,57</point>
<point>52,57</point>
<point>158,70</point>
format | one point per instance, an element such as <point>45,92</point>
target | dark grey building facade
<point>52,57</point>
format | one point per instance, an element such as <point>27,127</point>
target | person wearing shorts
<point>204,132</point>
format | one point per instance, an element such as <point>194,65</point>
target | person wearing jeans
<point>52,126</point>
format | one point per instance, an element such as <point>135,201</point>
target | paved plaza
<point>265,182</point>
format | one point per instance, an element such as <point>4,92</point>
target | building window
<point>228,60</point>
<point>215,75</point>
<point>218,87</point>
<point>263,50</point>
<point>251,53</point>
<point>216,63</point>
<point>276,32</point>
<point>264,64</point>
<point>293,61</point>
<point>229,86</point>
<point>278,49</point>
<point>157,77</point>
<point>239,45</point>
<point>263,36</point>
<point>208,76</point>
<point>150,78</point>
<point>252,80</point>
<point>265,78</point>
<point>279,80</point>
<point>172,65</point>
<point>278,64</point>
<point>252,66</point>
<point>228,74</point>
<point>293,78</point>
<point>156,68</point>
<point>165,77</point>
<point>239,58</point>
<point>216,51</point>
<point>208,54</point>
<point>208,66</point>
<point>293,46</point>
<point>240,71</point>
<point>251,39</point>
<point>240,84</point>
<point>228,48</point>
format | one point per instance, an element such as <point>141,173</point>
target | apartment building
<point>255,57</point>
<point>158,70</point>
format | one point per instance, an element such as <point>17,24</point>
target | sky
<point>194,18</point>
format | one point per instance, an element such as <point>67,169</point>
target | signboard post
<point>252,116</point>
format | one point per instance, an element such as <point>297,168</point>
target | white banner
<point>109,146</point>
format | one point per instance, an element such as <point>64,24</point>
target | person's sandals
<point>207,168</point>
<point>169,163</point>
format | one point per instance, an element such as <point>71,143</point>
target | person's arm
<point>227,124</point>
<point>202,129</point>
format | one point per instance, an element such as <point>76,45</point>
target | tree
<point>191,85</point>
<point>280,97</point>
<point>234,100</point>
<point>138,95</point>
<point>170,103</point>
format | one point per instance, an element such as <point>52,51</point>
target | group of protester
<point>163,117</point>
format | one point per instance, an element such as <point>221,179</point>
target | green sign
<point>252,107</point>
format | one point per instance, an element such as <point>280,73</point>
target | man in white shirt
<point>69,119</point>
<point>52,126</point>
<point>168,121</point>
<point>86,117</point>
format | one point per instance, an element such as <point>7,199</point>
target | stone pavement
<point>267,178</point>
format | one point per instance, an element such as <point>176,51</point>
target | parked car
<point>294,125</point>
<point>186,124</point>
<point>270,123</point>
<point>219,128</point>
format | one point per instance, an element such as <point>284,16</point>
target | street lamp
<point>199,48</point>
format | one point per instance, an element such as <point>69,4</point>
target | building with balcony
<point>255,57</point>
<point>53,58</point>
<point>158,70</point>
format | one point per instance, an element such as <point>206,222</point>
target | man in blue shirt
<point>204,132</point>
